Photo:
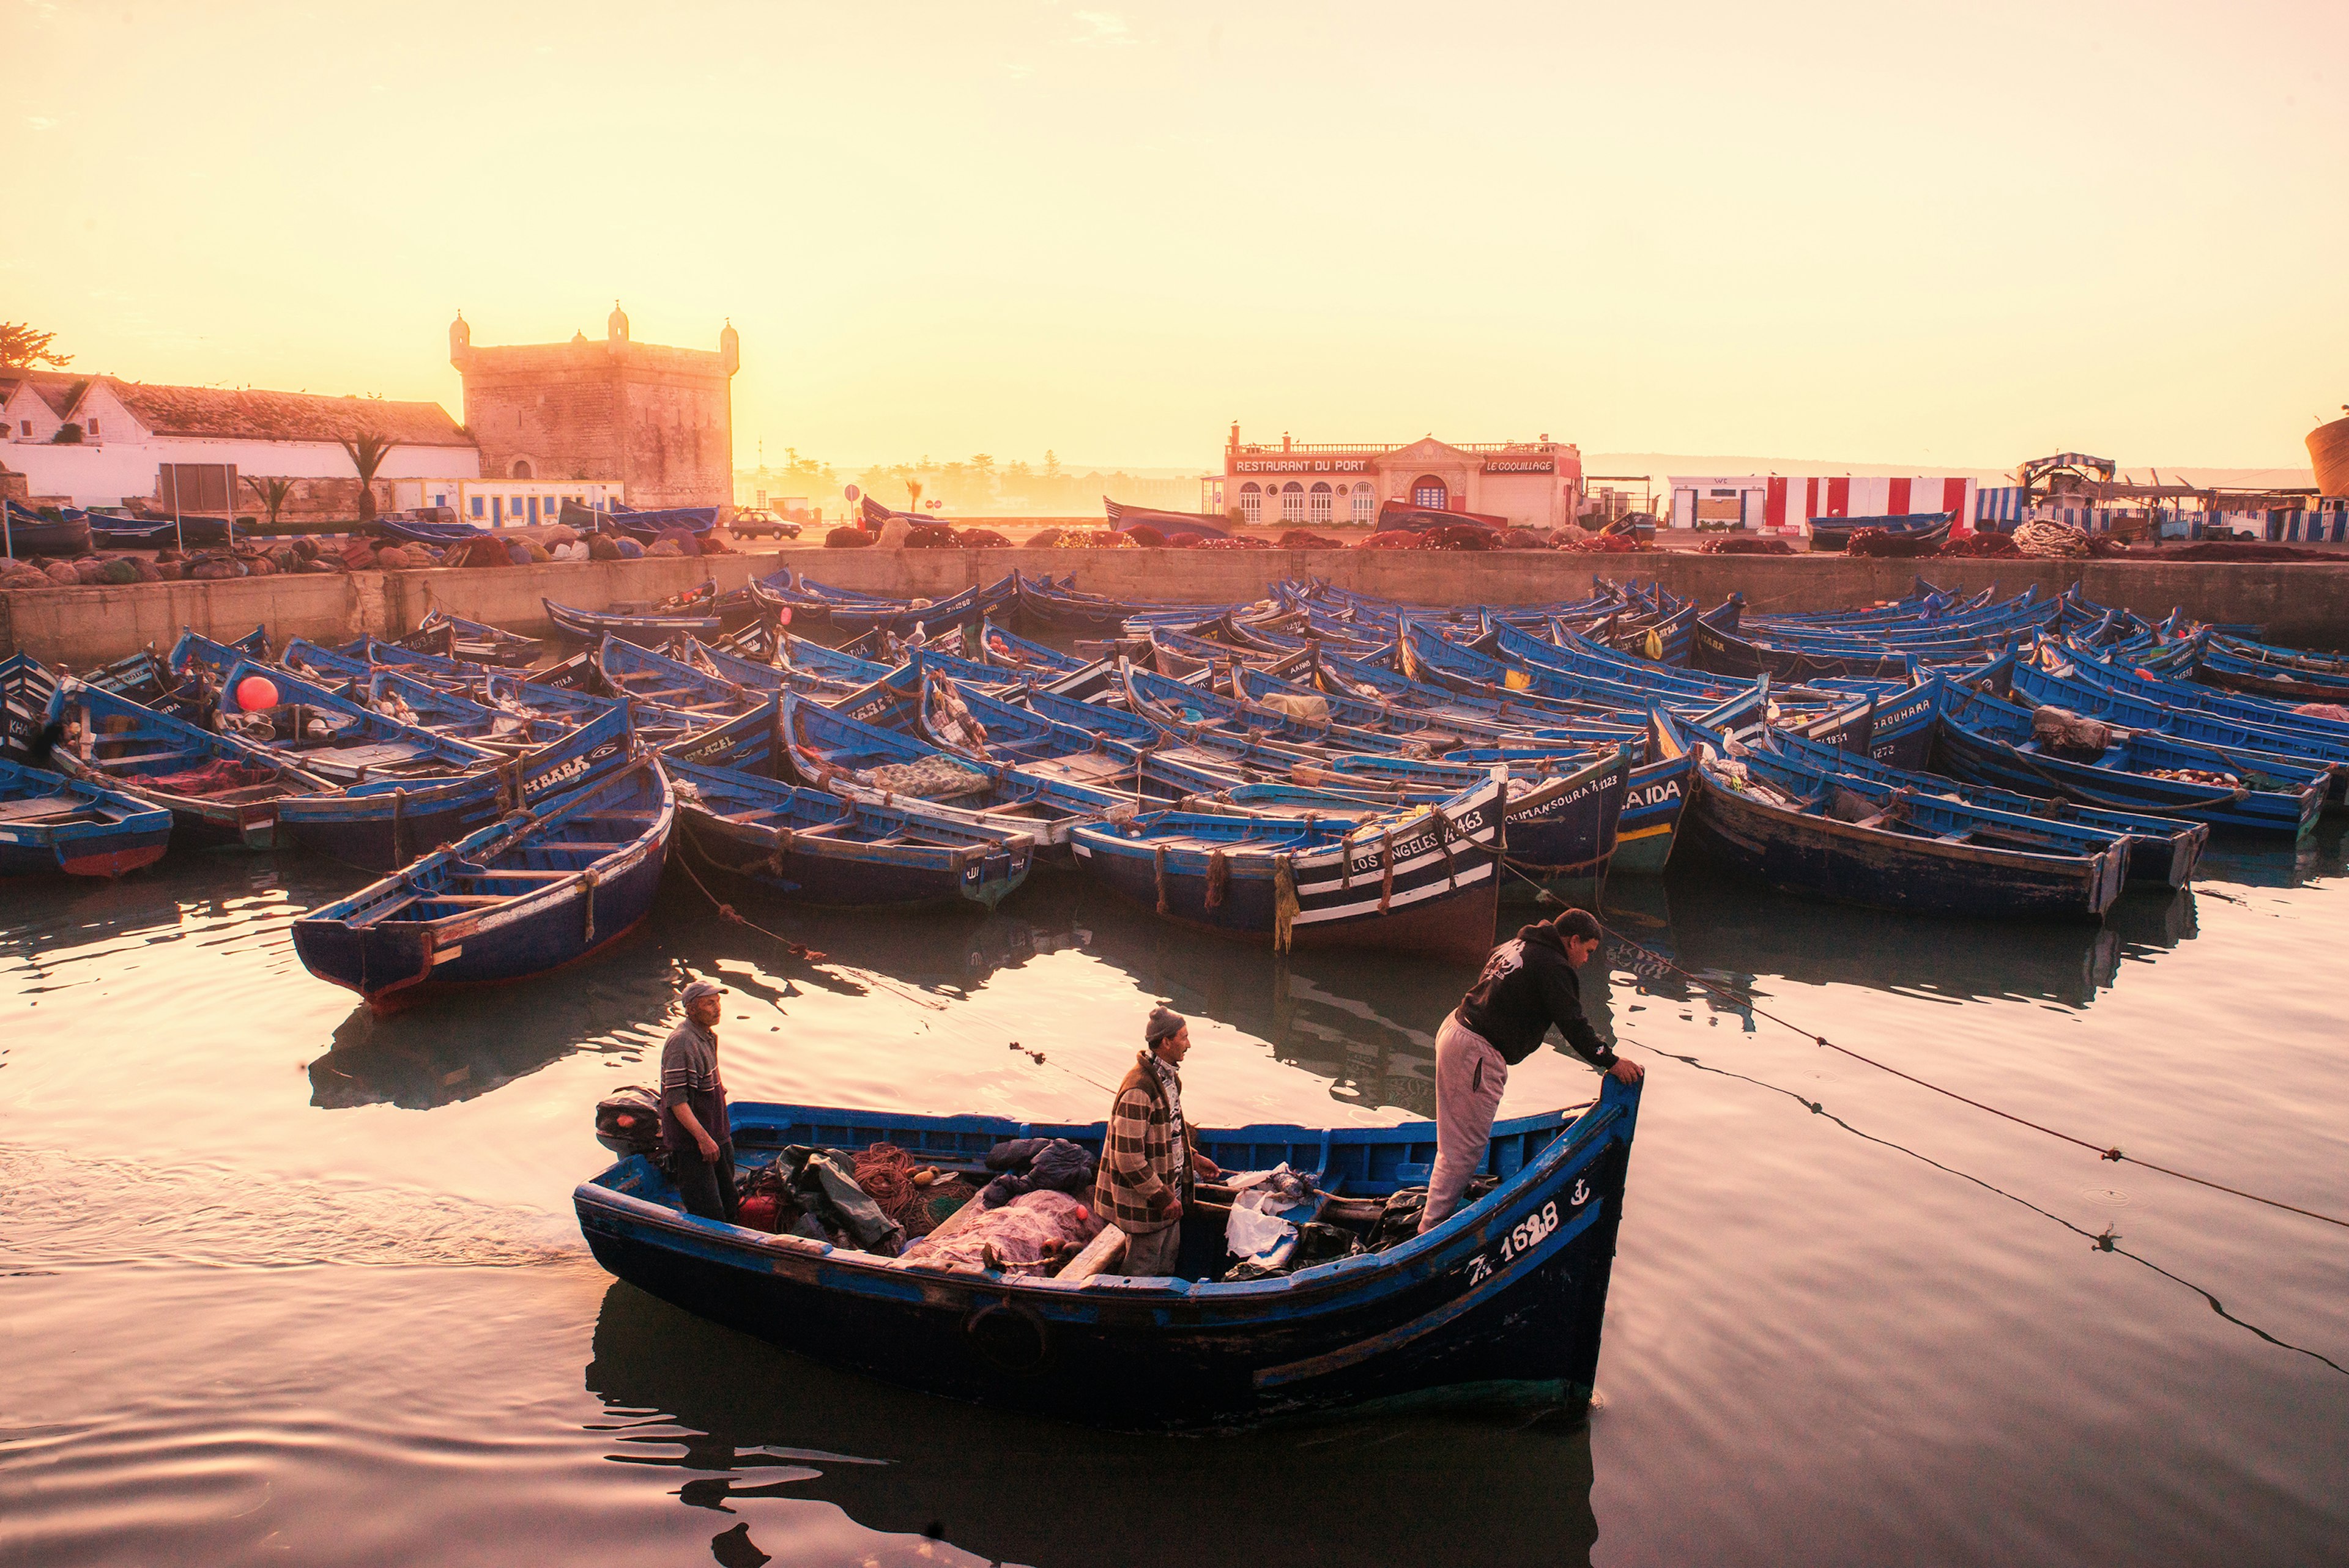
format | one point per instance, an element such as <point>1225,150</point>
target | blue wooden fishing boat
<point>999,645</point>
<point>421,531</point>
<point>52,823</point>
<point>808,846</point>
<point>830,750</point>
<point>1040,604</point>
<point>645,630</point>
<point>393,788</point>
<point>26,687</point>
<point>969,723</point>
<point>1921,530</point>
<point>1504,1301</point>
<point>2163,851</point>
<point>2086,665</point>
<point>150,534</point>
<point>522,897</point>
<point>474,642</point>
<point>506,732</point>
<point>2292,674</point>
<point>1986,740</point>
<point>31,533</point>
<point>194,652</point>
<point>219,789</point>
<point>1405,721</point>
<point>2050,682</point>
<point>1807,830</point>
<point>1425,880</point>
<point>634,671</point>
<point>647,525</point>
<point>1715,649</point>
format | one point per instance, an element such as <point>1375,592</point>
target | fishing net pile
<point>1034,1233</point>
<point>847,539</point>
<point>933,778</point>
<point>2245,550</point>
<point>2060,729</point>
<point>1745,544</point>
<point>1979,545</point>
<point>1609,544</point>
<point>2050,541</point>
<point>917,1196</point>
<point>218,777</point>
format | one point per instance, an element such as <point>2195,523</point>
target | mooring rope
<point>1745,1001</point>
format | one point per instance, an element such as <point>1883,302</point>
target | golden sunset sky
<point>1947,234</point>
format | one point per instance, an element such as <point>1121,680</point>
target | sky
<point>1953,235</point>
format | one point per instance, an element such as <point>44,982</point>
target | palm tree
<point>273,494</point>
<point>368,450</point>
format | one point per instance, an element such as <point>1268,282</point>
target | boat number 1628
<point>1527,1232</point>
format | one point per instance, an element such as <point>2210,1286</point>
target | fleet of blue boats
<point>1316,768</point>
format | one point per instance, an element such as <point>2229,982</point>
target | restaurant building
<point>1295,484</point>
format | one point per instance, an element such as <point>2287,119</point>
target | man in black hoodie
<point>1529,984</point>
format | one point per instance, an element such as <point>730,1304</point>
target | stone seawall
<point>2301,602</point>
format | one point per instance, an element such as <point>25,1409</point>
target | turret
<point>730,348</point>
<point>460,340</point>
<point>616,327</point>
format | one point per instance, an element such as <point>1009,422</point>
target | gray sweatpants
<point>1469,1077</point>
<point>1153,1253</point>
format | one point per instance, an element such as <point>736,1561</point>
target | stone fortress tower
<point>660,420</point>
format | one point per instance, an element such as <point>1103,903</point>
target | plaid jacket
<point>1138,1152</point>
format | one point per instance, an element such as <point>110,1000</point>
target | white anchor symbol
<point>1582,1192</point>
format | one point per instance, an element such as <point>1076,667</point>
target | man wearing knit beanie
<point>1149,1158</point>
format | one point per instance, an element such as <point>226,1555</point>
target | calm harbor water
<point>279,1282</point>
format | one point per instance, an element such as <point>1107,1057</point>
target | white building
<point>1778,504</point>
<point>195,445</point>
<point>506,504</point>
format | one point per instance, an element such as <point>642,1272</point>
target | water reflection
<point>740,1423</point>
<point>1732,934</point>
<point>2323,856</point>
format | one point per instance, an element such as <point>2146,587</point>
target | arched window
<point>1365,504</point>
<point>1292,503</point>
<point>522,468</point>
<point>1427,491</point>
<point>1251,504</point>
<point>1321,498</point>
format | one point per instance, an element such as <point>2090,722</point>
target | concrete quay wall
<point>2303,603</point>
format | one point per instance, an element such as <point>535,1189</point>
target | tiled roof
<point>282,415</point>
<point>54,387</point>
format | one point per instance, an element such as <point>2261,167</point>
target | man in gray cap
<point>1149,1158</point>
<point>693,1106</point>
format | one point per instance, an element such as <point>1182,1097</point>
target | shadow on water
<point>2323,856</point>
<point>1736,934</point>
<point>442,1053</point>
<point>737,1421</point>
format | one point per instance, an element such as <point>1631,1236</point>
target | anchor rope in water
<point>802,951</point>
<point>1747,1001</point>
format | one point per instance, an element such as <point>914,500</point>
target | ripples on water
<point>1851,1322</point>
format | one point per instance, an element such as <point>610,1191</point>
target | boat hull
<point>1653,800</point>
<point>1564,844</point>
<point>399,965</point>
<point>383,832</point>
<point>1511,1295</point>
<point>838,876</point>
<point>1815,857</point>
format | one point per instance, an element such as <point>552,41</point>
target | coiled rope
<point>1747,1002</point>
